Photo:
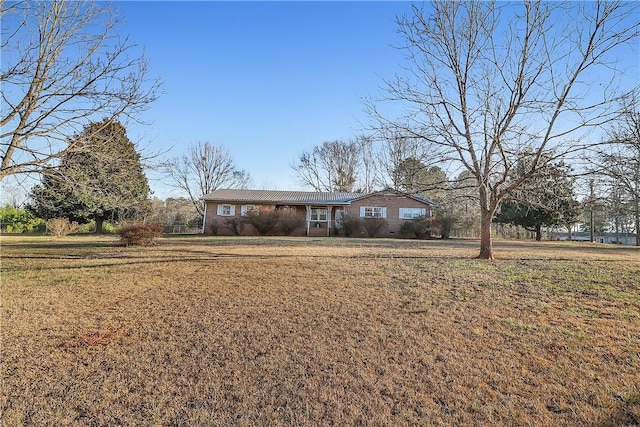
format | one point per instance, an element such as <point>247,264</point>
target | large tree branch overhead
<point>64,65</point>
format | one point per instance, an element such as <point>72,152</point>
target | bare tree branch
<point>64,65</point>
<point>332,166</point>
<point>205,168</point>
<point>488,81</point>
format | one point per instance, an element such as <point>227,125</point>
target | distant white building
<point>585,236</point>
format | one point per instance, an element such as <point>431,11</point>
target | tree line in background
<point>490,119</point>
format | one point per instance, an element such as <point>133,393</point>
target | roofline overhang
<point>280,202</point>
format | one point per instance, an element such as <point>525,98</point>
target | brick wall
<point>393,203</point>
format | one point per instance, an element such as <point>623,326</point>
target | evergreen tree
<point>104,180</point>
<point>544,200</point>
<point>413,177</point>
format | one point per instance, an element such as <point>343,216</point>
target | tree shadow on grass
<point>625,413</point>
<point>63,245</point>
<point>196,257</point>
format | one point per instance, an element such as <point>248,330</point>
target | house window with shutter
<point>373,212</point>
<point>226,210</point>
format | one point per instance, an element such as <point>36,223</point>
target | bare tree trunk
<point>486,243</point>
<point>487,209</point>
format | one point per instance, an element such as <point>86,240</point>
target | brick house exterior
<point>321,214</point>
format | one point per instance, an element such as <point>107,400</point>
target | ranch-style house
<point>323,212</point>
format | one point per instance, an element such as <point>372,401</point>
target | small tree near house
<point>236,224</point>
<point>263,219</point>
<point>290,220</point>
<point>421,227</point>
<point>374,226</point>
<point>350,225</point>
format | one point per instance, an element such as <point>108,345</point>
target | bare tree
<point>63,66</point>
<point>205,168</point>
<point>488,80</point>
<point>369,175</point>
<point>332,166</point>
<point>393,153</point>
<point>619,161</point>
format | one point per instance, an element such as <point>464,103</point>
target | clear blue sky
<point>267,80</point>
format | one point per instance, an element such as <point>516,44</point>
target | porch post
<point>308,216</point>
<point>329,208</point>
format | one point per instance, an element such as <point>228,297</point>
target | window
<point>245,209</point>
<point>226,210</point>
<point>412,213</point>
<point>373,212</point>
<point>318,214</point>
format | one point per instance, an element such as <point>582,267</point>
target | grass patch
<point>295,331</point>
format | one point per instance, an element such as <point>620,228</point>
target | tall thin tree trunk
<point>487,209</point>
<point>486,244</point>
<point>538,232</point>
<point>637,218</point>
<point>99,220</point>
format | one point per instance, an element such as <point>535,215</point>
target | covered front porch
<point>321,219</point>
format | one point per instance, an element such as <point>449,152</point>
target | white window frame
<point>373,212</point>
<point>231,210</point>
<point>412,213</point>
<point>316,215</point>
<point>245,209</point>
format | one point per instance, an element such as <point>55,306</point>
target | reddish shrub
<point>140,234</point>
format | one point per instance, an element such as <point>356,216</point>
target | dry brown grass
<point>293,331</point>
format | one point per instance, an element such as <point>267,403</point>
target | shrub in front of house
<point>290,220</point>
<point>59,227</point>
<point>375,226</point>
<point>350,225</point>
<point>421,228</point>
<point>446,224</point>
<point>140,234</point>
<point>236,224</point>
<point>212,227</point>
<point>263,219</point>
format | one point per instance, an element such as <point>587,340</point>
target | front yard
<point>326,331</point>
